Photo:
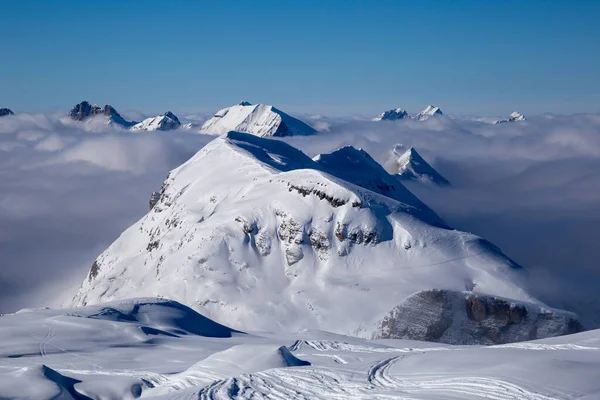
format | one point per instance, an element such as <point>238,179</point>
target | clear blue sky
<point>469,57</point>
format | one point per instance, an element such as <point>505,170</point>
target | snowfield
<point>257,119</point>
<point>160,349</point>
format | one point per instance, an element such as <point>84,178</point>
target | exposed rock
<point>85,110</point>
<point>469,318</point>
<point>154,198</point>
<point>5,111</point>
<point>94,271</point>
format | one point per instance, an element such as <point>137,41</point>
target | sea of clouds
<point>68,189</point>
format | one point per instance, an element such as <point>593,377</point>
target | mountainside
<point>392,115</point>
<point>85,110</point>
<point>400,113</point>
<point>165,122</point>
<point>428,112</point>
<point>5,111</point>
<point>259,120</point>
<point>408,165</point>
<point>513,117</point>
<point>254,234</point>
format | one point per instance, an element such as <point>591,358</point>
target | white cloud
<point>68,189</point>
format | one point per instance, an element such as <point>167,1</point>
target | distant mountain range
<point>400,113</point>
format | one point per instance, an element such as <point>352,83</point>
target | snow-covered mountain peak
<point>392,115</point>
<point>516,116</point>
<point>166,122</point>
<point>428,112</point>
<point>257,119</point>
<point>408,165</point>
<point>253,233</point>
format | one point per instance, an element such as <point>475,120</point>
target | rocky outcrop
<point>5,111</point>
<point>470,318</point>
<point>154,198</point>
<point>85,110</point>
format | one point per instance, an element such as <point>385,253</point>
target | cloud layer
<point>533,188</point>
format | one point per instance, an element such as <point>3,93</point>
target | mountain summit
<point>258,120</point>
<point>85,110</point>
<point>392,115</point>
<point>408,165</point>
<point>400,113</point>
<point>253,233</point>
<point>428,112</point>
<point>5,111</point>
<point>166,122</point>
<point>515,116</point>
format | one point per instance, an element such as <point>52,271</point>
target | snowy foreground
<point>153,348</point>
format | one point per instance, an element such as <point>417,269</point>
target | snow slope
<point>392,115</point>
<point>70,354</point>
<point>515,116</point>
<point>258,119</point>
<point>408,165</point>
<point>254,234</point>
<point>166,122</point>
<point>428,112</point>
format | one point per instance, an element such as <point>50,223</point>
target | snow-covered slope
<point>144,348</point>
<point>515,116</point>
<point>256,235</point>
<point>166,122</point>
<point>428,112</point>
<point>408,165</point>
<point>392,115</point>
<point>258,119</point>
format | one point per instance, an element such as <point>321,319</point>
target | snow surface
<point>165,122</point>
<point>408,164</point>
<point>428,112</point>
<point>391,115</point>
<point>515,116</point>
<point>87,353</point>
<point>256,235</point>
<point>258,119</point>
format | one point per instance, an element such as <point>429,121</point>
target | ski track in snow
<point>380,383</point>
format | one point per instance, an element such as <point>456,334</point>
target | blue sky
<point>334,57</point>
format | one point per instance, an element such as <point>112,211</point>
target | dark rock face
<point>171,122</point>
<point>5,111</point>
<point>85,110</point>
<point>154,198</point>
<point>469,318</point>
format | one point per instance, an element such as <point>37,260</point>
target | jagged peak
<point>397,113</point>
<point>244,103</point>
<point>408,164</point>
<point>6,111</point>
